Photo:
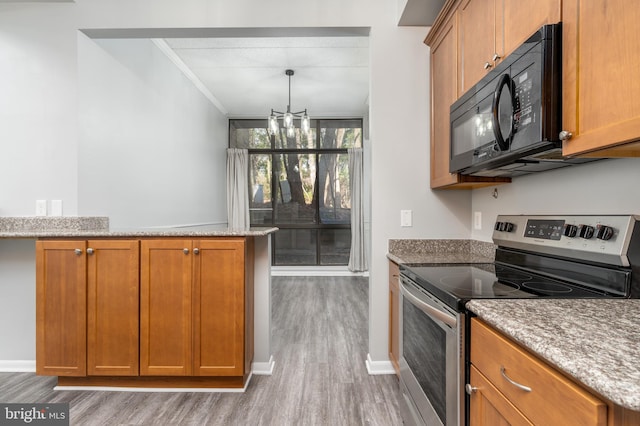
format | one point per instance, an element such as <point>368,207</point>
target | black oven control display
<point>544,229</point>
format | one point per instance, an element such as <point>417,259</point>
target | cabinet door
<point>219,302</point>
<point>443,94</point>
<point>488,407</point>
<point>112,308</point>
<point>165,307</point>
<point>477,31</point>
<point>601,89</point>
<point>518,20</point>
<point>61,308</point>
<point>394,316</point>
<point>503,362</point>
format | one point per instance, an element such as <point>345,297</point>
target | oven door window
<point>424,345</point>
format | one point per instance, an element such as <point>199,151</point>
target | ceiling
<point>246,75</point>
<point>242,70</point>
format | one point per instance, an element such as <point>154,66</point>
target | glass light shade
<point>287,120</point>
<point>273,125</point>
<point>291,132</point>
<point>305,123</point>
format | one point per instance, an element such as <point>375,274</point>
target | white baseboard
<point>315,271</point>
<point>263,368</point>
<point>379,367</point>
<point>19,366</point>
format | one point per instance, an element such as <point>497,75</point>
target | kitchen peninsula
<point>180,307</point>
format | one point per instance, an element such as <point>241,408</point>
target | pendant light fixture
<point>287,117</point>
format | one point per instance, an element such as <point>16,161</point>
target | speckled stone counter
<point>98,227</point>
<point>25,227</point>
<point>597,342</point>
<point>423,251</point>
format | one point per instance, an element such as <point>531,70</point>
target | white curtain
<point>237,188</point>
<point>357,257</point>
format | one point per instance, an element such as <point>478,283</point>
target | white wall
<point>399,114</point>
<point>602,187</point>
<point>40,132</point>
<point>152,148</point>
<point>17,300</point>
<point>38,120</point>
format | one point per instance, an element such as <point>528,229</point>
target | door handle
<point>504,82</point>
<point>514,383</point>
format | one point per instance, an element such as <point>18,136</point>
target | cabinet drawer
<point>553,398</point>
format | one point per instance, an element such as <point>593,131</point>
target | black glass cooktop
<point>455,284</point>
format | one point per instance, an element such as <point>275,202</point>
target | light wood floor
<point>320,333</point>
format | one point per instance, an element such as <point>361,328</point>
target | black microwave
<point>508,124</point>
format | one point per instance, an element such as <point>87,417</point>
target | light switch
<point>477,220</point>
<point>405,218</point>
<point>56,207</point>
<point>41,207</point>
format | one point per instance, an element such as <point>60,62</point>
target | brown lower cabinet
<point>499,370</point>
<point>159,308</point>
<point>192,309</point>
<point>394,316</point>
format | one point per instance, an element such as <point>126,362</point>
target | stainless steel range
<point>537,256</point>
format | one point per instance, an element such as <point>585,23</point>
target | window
<point>301,185</point>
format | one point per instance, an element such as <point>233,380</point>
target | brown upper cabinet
<point>490,30</point>
<point>445,70</point>
<point>600,59</point>
<point>601,89</point>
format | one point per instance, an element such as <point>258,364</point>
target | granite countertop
<point>98,227</point>
<point>595,341</point>
<point>413,252</point>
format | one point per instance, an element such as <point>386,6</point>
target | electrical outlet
<point>56,207</point>
<point>41,207</point>
<point>405,218</point>
<point>477,220</point>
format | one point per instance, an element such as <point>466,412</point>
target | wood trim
<point>249,262</point>
<point>394,316</point>
<point>448,9</point>
<point>154,382</point>
<point>474,182</point>
<point>619,416</point>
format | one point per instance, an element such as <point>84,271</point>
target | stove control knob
<point>586,231</point>
<point>498,226</point>
<point>508,227</point>
<point>570,231</point>
<point>604,232</point>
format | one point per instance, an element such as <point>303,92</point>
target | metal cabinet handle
<point>78,252</point>
<point>565,135</point>
<point>496,57</point>
<point>516,384</point>
<point>196,250</point>
<point>89,250</point>
<point>470,389</point>
<point>185,250</point>
<point>487,65</point>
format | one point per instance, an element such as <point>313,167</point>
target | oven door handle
<point>427,308</point>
